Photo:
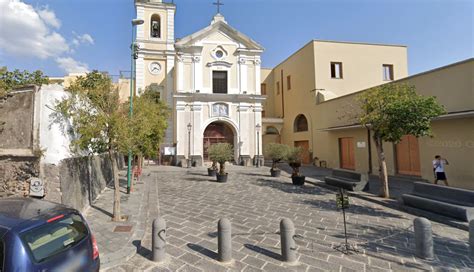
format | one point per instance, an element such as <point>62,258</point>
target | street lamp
<point>134,56</point>
<point>189,144</point>
<point>257,128</point>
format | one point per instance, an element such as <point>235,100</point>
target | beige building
<point>319,71</point>
<point>311,103</point>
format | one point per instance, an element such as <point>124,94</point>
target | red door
<point>305,156</point>
<point>217,133</point>
<point>346,153</point>
<point>408,156</point>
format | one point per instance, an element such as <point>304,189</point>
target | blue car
<point>37,235</point>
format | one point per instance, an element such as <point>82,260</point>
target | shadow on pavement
<point>109,214</point>
<point>142,251</point>
<point>204,251</point>
<point>264,251</point>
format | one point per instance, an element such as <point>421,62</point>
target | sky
<point>62,36</point>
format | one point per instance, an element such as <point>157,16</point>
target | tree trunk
<point>116,211</point>
<point>222,168</point>
<point>382,167</point>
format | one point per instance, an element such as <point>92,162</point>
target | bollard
<point>423,238</point>
<point>471,236</point>
<point>288,244</point>
<point>224,240</point>
<point>158,240</point>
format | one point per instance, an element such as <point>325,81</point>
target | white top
<point>438,165</point>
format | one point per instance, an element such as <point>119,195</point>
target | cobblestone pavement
<point>192,203</point>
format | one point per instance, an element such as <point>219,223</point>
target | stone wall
<point>15,175</point>
<point>77,182</point>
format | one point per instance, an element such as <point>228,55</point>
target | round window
<point>219,54</point>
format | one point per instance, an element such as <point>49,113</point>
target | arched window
<point>301,124</point>
<point>155,26</point>
<point>271,131</point>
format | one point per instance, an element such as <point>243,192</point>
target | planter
<point>221,178</point>
<point>275,173</point>
<point>298,180</point>
<point>211,172</point>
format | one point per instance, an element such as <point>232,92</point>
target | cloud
<point>26,32</point>
<point>82,39</point>
<point>49,17</point>
<point>71,65</point>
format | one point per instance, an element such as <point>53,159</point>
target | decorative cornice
<point>241,60</point>
<point>196,59</point>
<point>219,63</point>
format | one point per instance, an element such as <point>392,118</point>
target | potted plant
<point>277,153</point>
<point>294,160</point>
<point>221,153</point>
<point>211,171</point>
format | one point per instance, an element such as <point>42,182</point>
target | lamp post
<point>257,128</point>
<point>189,144</point>
<point>134,56</point>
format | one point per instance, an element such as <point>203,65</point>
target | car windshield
<point>54,237</point>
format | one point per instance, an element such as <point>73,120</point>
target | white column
<point>169,96</point>
<point>141,28</point>
<point>196,140</point>
<point>243,75</point>
<point>140,73</point>
<point>179,73</point>
<point>170,30</point>
<point>257,77</point>
<point>246,134</point>
<point>197,73</point>
<point>258,120</point>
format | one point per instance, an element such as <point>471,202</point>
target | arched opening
<point>155,26</point>
<point>216,132</point>
<point>301,123</point>
<point>271,131</point>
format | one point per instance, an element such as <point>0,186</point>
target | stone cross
<point>218,4</point>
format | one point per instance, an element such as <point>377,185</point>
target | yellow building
<point>319,71</point>
<point>329,108</point>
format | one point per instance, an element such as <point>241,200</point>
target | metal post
<point>189,148</point>
<point>158,240</point>
<point>258,148</point>
<point>471,236</point>
<point>224,240</point>
<point>288,244</point>
<point>423,238</point>
<point>130,113</point>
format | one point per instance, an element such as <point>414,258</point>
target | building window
<point>336,69</point>
<point>288,82</point>
<point>263,89</point>
<point>387,72</point>
<point>263,113</point>
<point>155,26</point>
<point>278,87</point>
<point>271,131</point>
<point>219,82</point>
<point>301,123</point>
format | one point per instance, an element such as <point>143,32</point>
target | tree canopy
<point>10,80</point>
<point>393,110</point>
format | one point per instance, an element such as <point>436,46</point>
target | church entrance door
<point>215,133</point>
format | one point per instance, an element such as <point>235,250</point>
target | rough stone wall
<point>15,175</point>
<point>77,182</point>
<point>16,120</point>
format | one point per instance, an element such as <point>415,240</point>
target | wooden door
<point>408,156</point>
<point>346,153</point>
<point>305,156</point>
<point>216,133</point>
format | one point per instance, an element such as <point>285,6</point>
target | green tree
<point>277,153</point>
<point>97,121</point>
<point>221,153</point>
<point>391,111</point>
<point>10,80</point>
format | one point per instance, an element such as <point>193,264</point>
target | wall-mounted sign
<point>360,144</point>
<point>220,109</point>
<point>169,151</point>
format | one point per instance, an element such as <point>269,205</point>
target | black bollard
<point>423,238</point>
<point>224,240</point>
<point>288,244</point>
<point>158,240</point>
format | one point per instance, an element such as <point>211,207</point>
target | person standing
<point>438,169</point>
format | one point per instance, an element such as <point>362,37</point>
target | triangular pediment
<point>219,30</point>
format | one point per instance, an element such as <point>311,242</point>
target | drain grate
<point>123,229</point>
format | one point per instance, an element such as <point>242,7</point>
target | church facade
<point>210,80</point>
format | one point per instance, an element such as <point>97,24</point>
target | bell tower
<point>155,63</point>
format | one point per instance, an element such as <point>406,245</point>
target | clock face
<point>155,68</point>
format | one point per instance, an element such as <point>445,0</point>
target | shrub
<point>276,152</point>
<point>294,159</point>
<point>221,153</point>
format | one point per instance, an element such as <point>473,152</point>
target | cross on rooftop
<point>218,4</point>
